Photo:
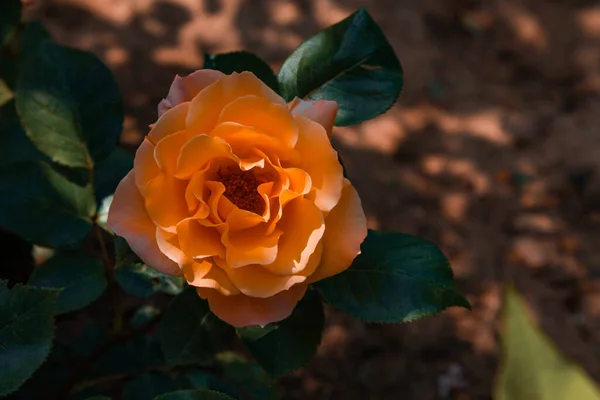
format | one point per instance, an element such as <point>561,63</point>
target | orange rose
<point>241,193</point>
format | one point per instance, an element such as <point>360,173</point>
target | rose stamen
<point>241,188</point>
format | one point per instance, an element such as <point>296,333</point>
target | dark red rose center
<point>241,188</point>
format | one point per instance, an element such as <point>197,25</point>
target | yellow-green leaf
<point>532,367</point>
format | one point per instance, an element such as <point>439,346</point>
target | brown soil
<point>493,152</point>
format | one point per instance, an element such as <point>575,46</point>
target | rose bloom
<point>241,193</point>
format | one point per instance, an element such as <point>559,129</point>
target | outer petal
<point>168,243</point>
<point>321,162</point>
<point>170,122</point>
<point>303,226</point>
<point>241,310</point>
<point>345,230</point>
<point>322,112</point>
<point>254,280</point>
<point>128,218</point>
<point>185,88</point>
<point>215,279</point>
<point>165,202</point>
<point>144,165</point>
<point>167,151</point>
<point>206,107</point>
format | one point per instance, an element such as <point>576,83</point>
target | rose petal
<point>170,122</point>
<point>245,141</point>
<point>322,165</point>
<point>196,271</point>
<point>144,165</point>
<point>303,226</point>
<point>168,243</point>
<point>250,246</point>
<point>215,279</point>
<point>322,112</point>
<point>206,107</point>
<point>185,88</point>
<point>345,230</point>
<point>128,218</point>
<point>198,241</point>
<point>165,202</point>
<point>196,154</point>
<point>168,149</point>
<point>241,310</point>
<point>261,114</point>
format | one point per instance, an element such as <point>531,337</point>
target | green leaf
<point>351,63</point>
<point>196,394</point>
<point>6,94</point>
<point>132,356</point>
<point>189,332</point>
<point>109,172</point>
<point>200,379</point>
<point>396,278</point>
<point>248,377</point>
<point>80,278</point>
<point>293,342</point>
<point>26,332</point>
<point>9,19</point>
<point>240,61</point>
<point>44,207</point>
<point>144,315</point>
<point>15,146</point>
<point>138,279</point>
<point>532,367</point>
<point>69,105</point>
<point>142,281</point>
<point>147,386</point>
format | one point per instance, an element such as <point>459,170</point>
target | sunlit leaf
<point>532,367</point>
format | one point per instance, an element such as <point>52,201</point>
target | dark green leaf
<point>147,386</point>
<point>123,254</point>
<point>98,397</point>
<point>292,343</point>
<point>197,394</point>
<point>532,367</point>
<point>15,146</point>
<point>199,379</point>
<point>80,278</point>
<point>396,278</point>
<point>143,281</point>
<point>143,315</point>
<point>26,332</point>
<point>109,172</point>
<point>351,63</point>
<point>128,357</point>
<point>240,61</point>
<point>9,19</point>
<point>69,105</point>
<point>189,332</point>
<point>248,377</point>
<point>44,207</point>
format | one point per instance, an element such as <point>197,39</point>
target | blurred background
<point>493,153</point>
